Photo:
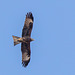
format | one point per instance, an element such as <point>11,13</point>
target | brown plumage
<point>26,39</point>
<point>25,47</point>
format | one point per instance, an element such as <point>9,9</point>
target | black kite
<point>25,39</point>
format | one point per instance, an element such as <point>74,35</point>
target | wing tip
<point>25,63</point>
<point>29,15</point>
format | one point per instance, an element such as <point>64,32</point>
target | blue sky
<point>53,51</point>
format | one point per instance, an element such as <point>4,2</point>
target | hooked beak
<point>32,39</point>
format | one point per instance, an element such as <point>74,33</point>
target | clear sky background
<point>53,51</point>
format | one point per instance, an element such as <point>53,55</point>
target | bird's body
<point>21,39</point>
<point>25,39</point>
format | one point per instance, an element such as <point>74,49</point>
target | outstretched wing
<point>25,47</point>
<point>28,25</point>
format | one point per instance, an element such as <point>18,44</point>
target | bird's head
<point>32,39</point>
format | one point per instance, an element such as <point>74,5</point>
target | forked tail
<point>16,40</point>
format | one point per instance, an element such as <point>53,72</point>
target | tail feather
<point>16,40</point>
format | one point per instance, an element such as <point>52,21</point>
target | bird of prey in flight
<point>25,39</point>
